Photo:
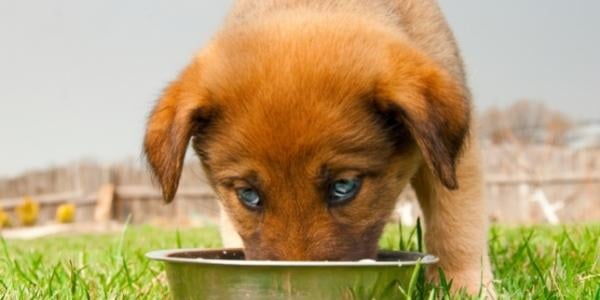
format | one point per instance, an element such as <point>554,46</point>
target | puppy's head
<point>308,132</point>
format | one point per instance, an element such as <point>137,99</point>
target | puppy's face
<point>308,133</point>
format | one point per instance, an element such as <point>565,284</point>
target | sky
<point>78,78</point>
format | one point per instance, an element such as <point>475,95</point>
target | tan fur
<point>293,94</point>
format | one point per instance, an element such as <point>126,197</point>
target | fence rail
<point>515,177</point>
<point>546,180</point>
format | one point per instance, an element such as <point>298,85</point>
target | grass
<point>529,263</point>
<point>110,266</point>
<point>542,262</point>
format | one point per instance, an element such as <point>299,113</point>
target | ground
<point>529,263</point>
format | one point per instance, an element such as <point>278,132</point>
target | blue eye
<point>344,190</point>
<point>249,197</point>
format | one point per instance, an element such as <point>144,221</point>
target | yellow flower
<point>28,211</point>
<point>4,220</point>
<point>65,213</point>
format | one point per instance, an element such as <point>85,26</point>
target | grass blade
<point>72,279</point>
<point>21,273</point>
<point>432,295</point>
<point>419,236</point>
<point>444,284</point>
<point>122,237</point>
<point>413,281</point>
<point>537,270</point>
<point>5,249</point>
<point>401,245</point>
<point>127,274</point>
<point>49,289</point>
<point>178,238</point>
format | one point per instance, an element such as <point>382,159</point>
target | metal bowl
<point>224,274</point>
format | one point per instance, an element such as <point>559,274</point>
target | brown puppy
<point>311,116</point>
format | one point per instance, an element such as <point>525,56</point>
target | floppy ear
<point>179,113</point>
<point>432,105</point>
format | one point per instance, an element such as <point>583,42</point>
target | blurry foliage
<point>65,213</point>
<point>28,211</point>
<point>4,219</point>
<point>525,122</point>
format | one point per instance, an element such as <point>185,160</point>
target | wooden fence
<point>524,185</point>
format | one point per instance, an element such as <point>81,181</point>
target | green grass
<point>529,263</point>
<point>541,262</point>
<point>110,266</point>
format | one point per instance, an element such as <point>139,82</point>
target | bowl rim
<point>164,255</point>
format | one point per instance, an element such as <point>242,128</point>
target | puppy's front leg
<point>455,223</point>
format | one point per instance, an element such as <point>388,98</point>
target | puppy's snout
<point>307,245</point>
<point>288,248</point>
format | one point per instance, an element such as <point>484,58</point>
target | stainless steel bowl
<point>224,274</point>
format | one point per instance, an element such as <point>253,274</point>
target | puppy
<point>311,116</point>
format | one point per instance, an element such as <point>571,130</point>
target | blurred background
<point>78,78</point>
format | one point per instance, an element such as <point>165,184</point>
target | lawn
<point>529,263</point>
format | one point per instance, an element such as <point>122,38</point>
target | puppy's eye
<point>249,197</point>
<point>344,190</point>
